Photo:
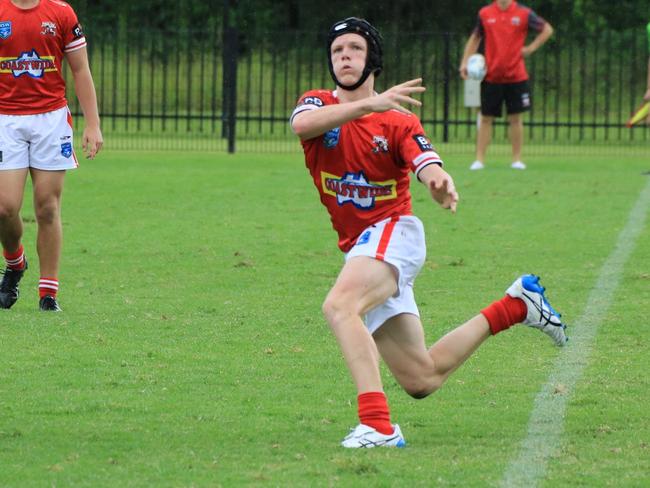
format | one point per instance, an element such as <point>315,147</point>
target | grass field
<point>192,352</point>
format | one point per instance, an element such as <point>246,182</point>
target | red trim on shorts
<point>385,238</point>
<point>74,155</point>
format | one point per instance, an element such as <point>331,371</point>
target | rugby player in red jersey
<point>360,148</point>
<point>646,97</point>
<point>503,26</point>
<point>36,131</point>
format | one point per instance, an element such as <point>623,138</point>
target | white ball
<point>476,68</point>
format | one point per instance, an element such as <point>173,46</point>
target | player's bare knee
<point>486,120</point>
<point>422,387</point>
<point>332,309</point>
<point>420,392</point>
<point>7,212</point>
<point>336,308</point>
<point>46,213</point>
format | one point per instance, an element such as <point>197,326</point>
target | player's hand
<point>646,97</point>
<point>527,51</point>
<point>92,141</point>
<point>463,70</point>
<point>441,186</point>
<point>396,97</point>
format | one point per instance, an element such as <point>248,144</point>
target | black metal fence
<point>221,91</point>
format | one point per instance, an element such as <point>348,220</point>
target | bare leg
<point>484,136</point>
<point>48,187</point>
<point>452,350</point>
<point>12,187</point>
<point>420,371</point>
<point>362,284</point>
<point>516,134</point>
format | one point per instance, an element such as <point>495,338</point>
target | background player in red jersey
<point>36,131</point>
<point>503,26</point>
<point>360,148</point>
<point>646,97</point>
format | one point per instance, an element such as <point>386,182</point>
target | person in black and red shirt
<point>646,97</point>
<point>360,148</point>
<point>503,26</point>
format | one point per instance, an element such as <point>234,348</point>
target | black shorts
<point>516,95</point>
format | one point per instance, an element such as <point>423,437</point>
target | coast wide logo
<point>355,188</point>
<point>28,63</point>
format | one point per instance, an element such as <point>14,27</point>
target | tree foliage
<point>256,16</point>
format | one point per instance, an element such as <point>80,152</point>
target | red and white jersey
<point>362,169</point>
<point>505,32</point>
<point>32,45</point>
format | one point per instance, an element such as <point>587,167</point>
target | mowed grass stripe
<point>546,423</point>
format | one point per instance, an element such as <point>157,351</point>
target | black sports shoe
<point>9,286</point>
<point>49,304</point>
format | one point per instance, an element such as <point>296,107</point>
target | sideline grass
<point>191,350</point>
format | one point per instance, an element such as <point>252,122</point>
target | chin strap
<point>361,81</point>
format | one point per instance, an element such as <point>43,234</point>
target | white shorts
<point>41,141</point>
<point>399,242</point>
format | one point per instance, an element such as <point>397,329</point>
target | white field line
<point>546,424</point>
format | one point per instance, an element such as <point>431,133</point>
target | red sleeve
<point>73,35</point>
<point>416,149</point>
<point>311,100</point>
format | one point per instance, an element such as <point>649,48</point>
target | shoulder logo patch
<point>5,29</point>
<point>331,137</point>
<point>423,142</point>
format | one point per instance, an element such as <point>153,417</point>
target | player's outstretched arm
<point>313,123</point>
<point>396,97</point>
<point>440,185</point>
<point>85,89</point>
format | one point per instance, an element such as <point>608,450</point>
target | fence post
<point>446,82</point>
<point>230,54</point>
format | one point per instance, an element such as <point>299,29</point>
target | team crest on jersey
<point>331,137</point>
<point>48,28</point>
<point>28,63</point>
<point>355,188</point>
<point>66,149</point>
<point>515,21</point>
<point>5,30</point>
<point>380,144</point>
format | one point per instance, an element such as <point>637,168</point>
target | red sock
<point>48,286</point>
<point>505,313</point>
<point>373,411</point>
<point>15,260</point>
